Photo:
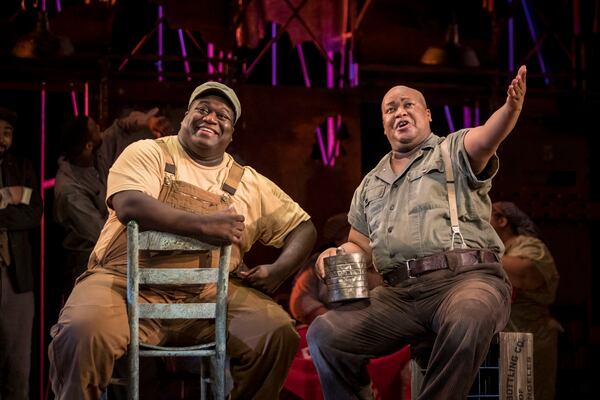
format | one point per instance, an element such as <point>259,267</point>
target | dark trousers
<point>16,322</point>
<point>464,308</point>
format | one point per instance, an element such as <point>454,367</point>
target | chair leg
<point>202,381</point>
<point>219,376</point>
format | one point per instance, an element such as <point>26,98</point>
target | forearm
<point>216,228</point>
<point>152,214</point>
<point>20,217</point>
<point>298,245</point>
<point>23,216</point>
<point>482,142</point>
<point>496,129</point>
<point>358,243</point>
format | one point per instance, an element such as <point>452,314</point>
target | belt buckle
<point>408,273</point>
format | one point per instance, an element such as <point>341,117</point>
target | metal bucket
<point>346,277</point>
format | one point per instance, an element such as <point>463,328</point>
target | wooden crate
<point>516,366</point>
<point>505,374</point>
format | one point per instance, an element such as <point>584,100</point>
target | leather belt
<point>448,260</point>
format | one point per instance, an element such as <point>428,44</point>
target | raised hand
<point>516,89</point>
<point>160,126</point>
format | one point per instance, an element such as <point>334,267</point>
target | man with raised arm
<point>423,216</point>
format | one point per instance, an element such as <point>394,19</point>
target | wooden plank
<point>177,276</point>
<point>177,311</point>
<point>162,241</point>
<point>516,366</point>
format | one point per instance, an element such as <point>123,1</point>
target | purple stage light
<point>533,34</point>
<point>449,118</point>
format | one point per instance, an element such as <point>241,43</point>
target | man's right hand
<point>320,264</point>
<point>223,227</point>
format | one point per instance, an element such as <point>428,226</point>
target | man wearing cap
<point>152,182</point>
<point>20,212</point>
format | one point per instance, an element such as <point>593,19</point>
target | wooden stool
<point>506,373</point>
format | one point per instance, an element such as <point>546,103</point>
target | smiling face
<point>406,118</point>
<point>207,129</point>
<point>6,137</point>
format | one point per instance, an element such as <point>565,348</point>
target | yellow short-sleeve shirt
<point>270,214</point>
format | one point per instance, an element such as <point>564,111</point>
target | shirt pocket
<point>427,187</point>
<point>373,205</point>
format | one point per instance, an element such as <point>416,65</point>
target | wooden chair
<point>165,242</point>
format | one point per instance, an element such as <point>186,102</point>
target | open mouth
<point>203,130</point>
<point>400,124</point>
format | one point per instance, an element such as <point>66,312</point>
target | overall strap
<point>169,163</point>
<point>236,171</point>
<point>231,183</point>
<point>451,195</point>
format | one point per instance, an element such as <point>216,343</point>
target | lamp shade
<point>42,43</point>
<point>452,53</point>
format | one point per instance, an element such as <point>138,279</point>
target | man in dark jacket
<point>20,212</point>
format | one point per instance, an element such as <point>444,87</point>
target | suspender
<point>169,163</point>
<point>234,176</point>
<point>451,195</point>
<point>231,183</point>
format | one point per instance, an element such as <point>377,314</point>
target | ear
<point>503,221</point>
<point>429,115</point>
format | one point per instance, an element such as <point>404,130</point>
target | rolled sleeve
<point>475,181</point>
<point>280,214</point>
<point>139,167</point>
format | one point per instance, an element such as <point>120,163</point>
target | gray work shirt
<point>407,216</point>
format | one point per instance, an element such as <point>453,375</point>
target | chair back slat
<point>177,276</point>
<point>177,311</point>
<point>163,241</point>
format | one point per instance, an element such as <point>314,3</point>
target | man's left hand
<point>262,277</point>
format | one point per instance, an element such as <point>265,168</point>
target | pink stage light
<point>321,145</point>
<point>48,183</point>
<point>210,50</point>
<point>42,236</point>
<point>86,99</point>
<point>303,65</point>
<point>74,100</point>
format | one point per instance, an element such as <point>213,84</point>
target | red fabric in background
<point>325,19</point>
<point>386,374</point>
